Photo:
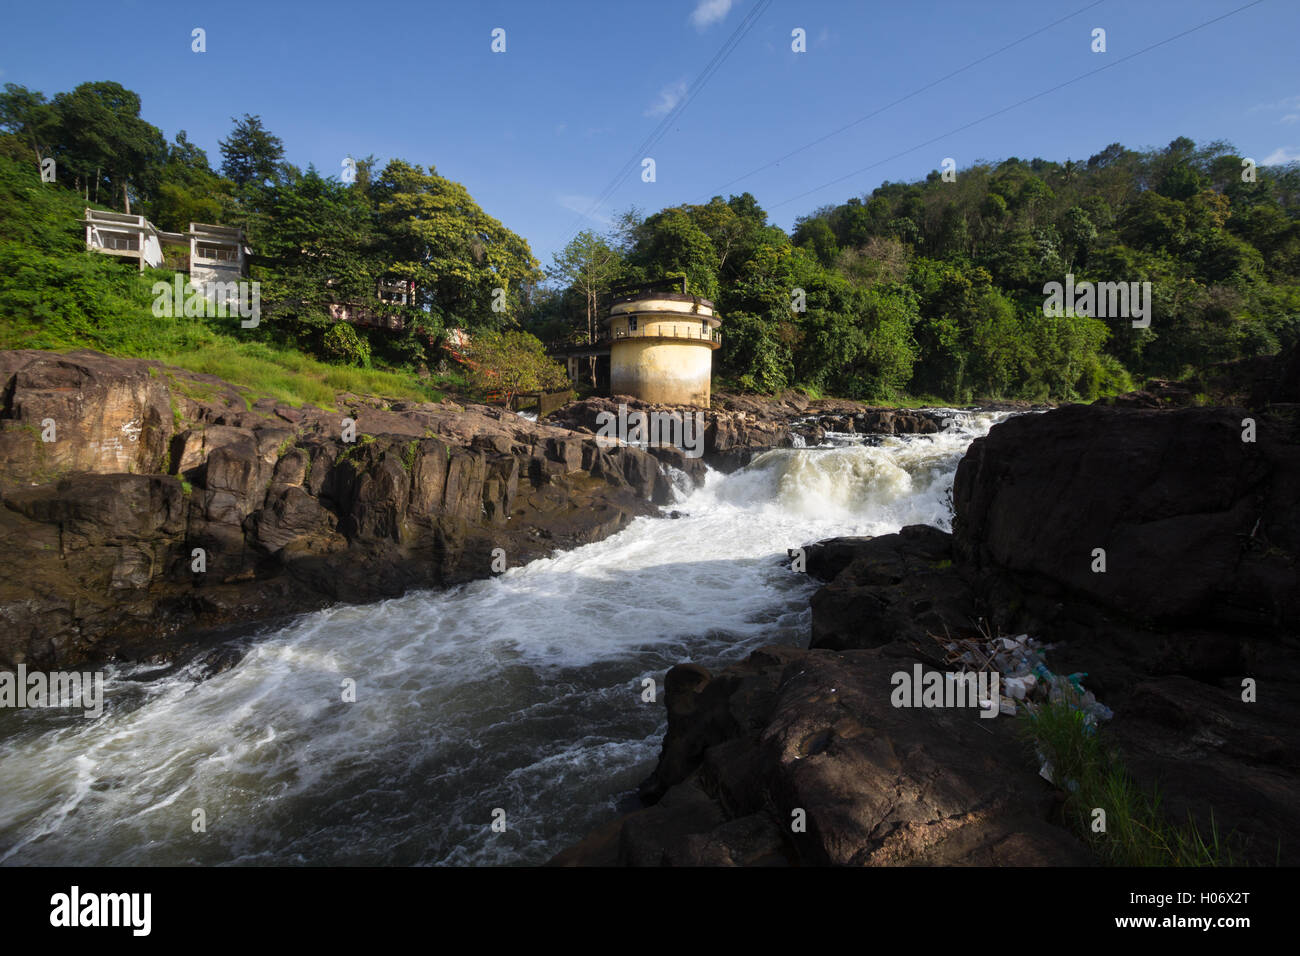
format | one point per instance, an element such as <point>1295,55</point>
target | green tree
<point>512,362</point>
<point>589,265</point>
<point>467,266</point>
<point>671,241</point>
<point>188,190</point>
<point>251,154</point>
<point>103,140</point>
<point>342,344</point>
<point>26,114</point>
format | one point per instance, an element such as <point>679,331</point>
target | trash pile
<point>1026,680</point>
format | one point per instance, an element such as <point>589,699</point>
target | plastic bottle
<point>1100,711</point>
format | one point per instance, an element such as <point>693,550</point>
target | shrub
<point>342,344</point>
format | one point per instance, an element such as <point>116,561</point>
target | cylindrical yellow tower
<point>661,344</point>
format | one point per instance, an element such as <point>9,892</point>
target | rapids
<point>523,692</point>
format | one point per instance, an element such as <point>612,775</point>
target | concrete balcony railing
<point>711,337</point>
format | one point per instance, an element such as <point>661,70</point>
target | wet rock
<point>1179,635</point>
<point>731,438</point>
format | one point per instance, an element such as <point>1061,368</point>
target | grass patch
<point>352,453</point>
<point>1137,831</point>
<point>267,371</point>
<point>178,420</point>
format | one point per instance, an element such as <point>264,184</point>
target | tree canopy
<point>931,289</point>
<point>935,288</point>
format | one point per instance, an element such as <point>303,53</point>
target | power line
<point>742,29</point>
<point>904,99</point>
<point>662,128</point>
<point>1028,99</point>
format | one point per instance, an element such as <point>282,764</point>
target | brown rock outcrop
<point>153,512</point>
<point>797,757</point>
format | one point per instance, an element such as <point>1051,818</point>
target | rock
<point>99,561</point>
<point>106,415</point>
<point>897,587</point>
<point>811,735</point>
<point>1196,524</point>
<point>1201,532</point>
<point>731,438</point>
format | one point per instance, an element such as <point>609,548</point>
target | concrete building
<point>117,234</point>
<point>398,292</point>
<point>661,343</point>
<point>217,253</point>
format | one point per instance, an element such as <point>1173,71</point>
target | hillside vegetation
<point>936,288</point>
<point>925,291</point>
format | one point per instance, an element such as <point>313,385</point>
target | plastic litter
<point>1026,680</point>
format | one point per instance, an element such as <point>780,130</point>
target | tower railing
<point>661,331</point>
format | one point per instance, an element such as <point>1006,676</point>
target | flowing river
<point>520,694</point>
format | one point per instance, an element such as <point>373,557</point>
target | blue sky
<point>537,132</point>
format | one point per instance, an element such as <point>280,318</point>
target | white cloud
<point>581,205</point>
<point>709,12</point>
<point>1281,155</point>
<point>1287,103</point>
<point>669,97</point>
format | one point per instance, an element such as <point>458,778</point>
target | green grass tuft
<point>1137,833</point>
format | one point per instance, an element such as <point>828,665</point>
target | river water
<point>516,699</point>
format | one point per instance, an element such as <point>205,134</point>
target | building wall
<point>687,309</point>
<point>153,254</point>
<point>661,371</point>
<point>688,326</point>
<point>100,238</point>
<point>208,270</point>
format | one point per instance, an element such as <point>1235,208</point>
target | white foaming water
<point>521,693</point>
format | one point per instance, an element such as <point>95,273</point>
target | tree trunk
<point>591,333</point>
<point>126,199</point>
<point>96,184</point>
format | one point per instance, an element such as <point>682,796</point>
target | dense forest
<point>931,289</point>
<point>936,288</point>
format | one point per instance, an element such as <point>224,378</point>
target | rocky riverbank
<point>164,504</point>
<point>144,507</point>
<point>1200,592</point>
<point>740,427</point>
